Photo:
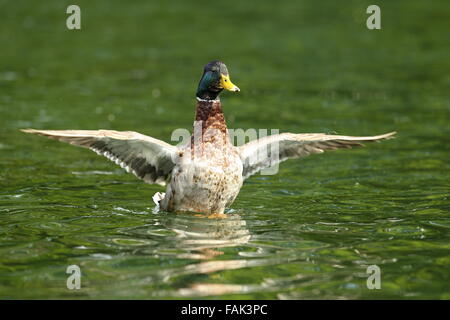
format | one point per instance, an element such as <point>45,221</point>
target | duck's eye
<point>226,80</point>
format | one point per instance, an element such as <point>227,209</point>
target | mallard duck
<point>206,174</point>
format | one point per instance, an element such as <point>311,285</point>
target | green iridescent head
<point>215,78</point>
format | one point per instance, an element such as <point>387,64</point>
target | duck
<point>206,173</point>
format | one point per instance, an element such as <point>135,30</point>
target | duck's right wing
<point>147,158</point>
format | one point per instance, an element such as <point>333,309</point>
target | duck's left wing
<point>147,158</point>
<point>271,150</point>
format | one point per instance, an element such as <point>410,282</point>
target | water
<point>308,232</point>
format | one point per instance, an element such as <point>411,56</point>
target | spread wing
<point>147,158</point>
<point>268,151</point>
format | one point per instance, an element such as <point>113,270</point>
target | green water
<point>303,66</point>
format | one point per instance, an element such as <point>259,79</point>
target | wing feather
<point>147,158</point>
<point>268,151</point>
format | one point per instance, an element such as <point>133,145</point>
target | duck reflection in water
<point>199,236</point>
<point>203,239</point>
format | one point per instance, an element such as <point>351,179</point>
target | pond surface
<point>309,232</point>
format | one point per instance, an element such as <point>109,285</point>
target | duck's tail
<point>157,197</point>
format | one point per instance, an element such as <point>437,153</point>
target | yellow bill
<point>226,83</point>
